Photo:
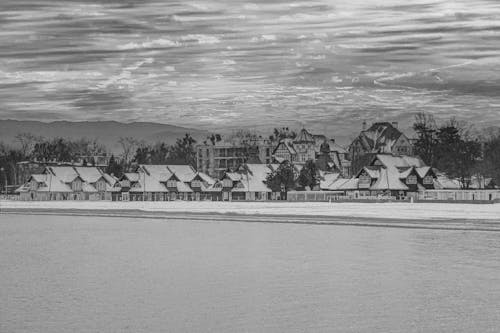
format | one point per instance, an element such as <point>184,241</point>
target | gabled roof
<point>185,173</point>
<point>160,172</point>
<point>52,183</point>
<point>304,136</point>
<point>131,176</point>
<point>380,136</point>
<point>422,171</point>
<point>206,178</point>
<point>373,172</point>
<point>288,144</point>
<point>148,183</point>
<point>388,180</point>
<point>89,174</point>
<point>327,179</point>
<point>65,173</point>
<point>392,161</point>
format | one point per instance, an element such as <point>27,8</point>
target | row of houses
<point>388,176</point>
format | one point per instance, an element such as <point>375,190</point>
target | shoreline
<point>439,216</point>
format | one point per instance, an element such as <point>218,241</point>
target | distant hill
<point>107,132</point>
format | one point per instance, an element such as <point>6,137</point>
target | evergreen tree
<point>309,175</point>
<point>282,179</point>
<point>114,168</point>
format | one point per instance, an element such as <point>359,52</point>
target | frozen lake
<point>101,274</point>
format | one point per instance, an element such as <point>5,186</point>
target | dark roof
<point>379,135</point>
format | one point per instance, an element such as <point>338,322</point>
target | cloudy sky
<point>327,64</point>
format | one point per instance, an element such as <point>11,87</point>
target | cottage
<point>69,183</point>
<point>247,183</point>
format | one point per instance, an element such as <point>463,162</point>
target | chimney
<point>395,124</point>
<point>364,125</point>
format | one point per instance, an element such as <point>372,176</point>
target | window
<point>412,179</point>
<point>428,180</point>
<point>227,183</point>
<point>195,183</point>
<point>171,183</point>
<point>364,181</point>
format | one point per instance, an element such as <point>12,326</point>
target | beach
<point>418,215</point>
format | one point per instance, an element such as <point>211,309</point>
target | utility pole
<point>5,178</point>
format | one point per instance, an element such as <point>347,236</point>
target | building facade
<point>215,158</point>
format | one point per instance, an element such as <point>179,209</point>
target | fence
<point>460,195</point>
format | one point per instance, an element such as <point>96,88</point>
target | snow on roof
<point>388,180</point>
<point>445,183</point>
<point>54,184</point>
<point>372,172</point>
<point>206,178</point>
<point>65,173</point>
<point>345,184</point>
<point>148,183</point>
<point>405,172</point>
<point>185,173</point>
<point>110,179</point>
<point>422,171</point>
<point>253,177</point>
<point>234,176</point>
<point>132,176</point>
<point>158,171</point>
<point>89,174</point>
<point>327,179</point>
<point>39,177</point>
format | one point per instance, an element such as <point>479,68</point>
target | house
<point>165,183</point>
<point>216,157</point>
<point>395,175</point>
<point>379,138</point>
<point>328,155</point>
<point>69,183</point>
<point>247,183</point>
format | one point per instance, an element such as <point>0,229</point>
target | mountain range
<point>106,132</point>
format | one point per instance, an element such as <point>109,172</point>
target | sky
<point>324,64</point>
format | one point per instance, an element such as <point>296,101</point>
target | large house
<point>214,158</point>
<point>306,146</point>
<point>390,175</point>
<point>69,183</point>
<point>381,138</point>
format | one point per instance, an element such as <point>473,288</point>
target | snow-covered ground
<point>403,211</point>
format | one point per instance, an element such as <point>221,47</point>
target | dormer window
<point>171,183</point>
<point>195,183</point>
<point>227,183</point>
<point>428,180</point>
<point>412,179</point>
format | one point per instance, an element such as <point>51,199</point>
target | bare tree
<point>27,142</point>
<point>128,144</point>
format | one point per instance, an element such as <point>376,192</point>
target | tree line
<point>62,150</point>
<point>452,148</point>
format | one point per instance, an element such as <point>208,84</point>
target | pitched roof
<point>206,178</point>
<point>53,183</point>
<point>185,173</point>
<point>89,174</point>
<point>380,136</point>
<point>131,176</point>
<point>158,171</point>
<point>65,173</point>
<point>304,136</point>
<point>388,180</point>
